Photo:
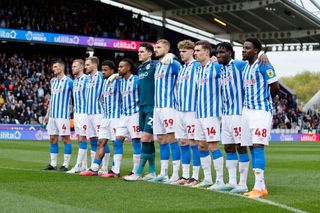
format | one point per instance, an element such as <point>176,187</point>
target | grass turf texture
<point>292,177</point>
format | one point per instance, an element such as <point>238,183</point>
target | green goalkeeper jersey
<point>146,83</point>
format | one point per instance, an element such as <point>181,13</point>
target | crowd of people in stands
<point>25,91</point>
<point>82,17</point>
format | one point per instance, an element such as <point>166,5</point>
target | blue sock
<point>107,149</point>
<point>54,148</point>
<point>259,158</point>
<point>204,153</point>
<point>252,159</point>
<point>82,145</point>
<point>136,147</point>
<point>118,147</point>
<point>97,161</point>
<point>216,154</point>
<point>67,148</point>
<point>195,155</point>
<point>175,151</point>
<point>185,154</point>
<point>164,151</point>
<point>231,156</point>
<point>244,157</point>
<point>94,144</point>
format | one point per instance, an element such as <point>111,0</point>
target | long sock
<point>94,145</point>
<point>185,158</point>
<point>218,164</point>
<point>136,155</point>
<point>106,157</point>
<point>164,159</point>
<point>81,153</point>
<point>118,152</point>
<point>96,164</point>
<point>145,150</point>
<point>260,163</point>
<point>252,159</point>
<point>195,161</point>
<point>152,157</point>
<point>206,165</point>
<point>243,168</point>
<point>54,150</point>
<point>176,155</point>
<point>231,164</point>
<point>67,154</point>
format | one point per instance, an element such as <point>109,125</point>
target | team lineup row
<point>189,107</point>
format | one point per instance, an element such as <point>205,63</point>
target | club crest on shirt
<point>148,66</point>
<point>270,73</point>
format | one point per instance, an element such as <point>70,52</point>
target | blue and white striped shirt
<point>256,80</point>
<point>130,95</point>
<point>94,94</point>
<point>186,87</point>
<point>232,87</point>
<point>112,99</point>
<point>61,91</point>
<point>165,79</point>
<point>79,94</point>
<point>208,101</point>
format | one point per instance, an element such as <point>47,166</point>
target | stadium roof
<point>272,21</point>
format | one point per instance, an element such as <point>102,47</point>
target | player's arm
<point>263,59</point>
<point>46,118</point>
<point>272,80</point>
<point>274,89</point>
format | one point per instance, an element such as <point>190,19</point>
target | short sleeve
<point>268,73</point>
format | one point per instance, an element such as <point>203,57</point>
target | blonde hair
<point>165,42</point>
<point>186,44</point>
<point>94,60</point>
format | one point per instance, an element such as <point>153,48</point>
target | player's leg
<point>53,131</point>
<point>260,132</point>
<point>103,151</point>
<point>64,132</point>
<point>195,164</point>
<point>181,133</point>
<point>80,129</point>
<point>168,115</point>
<point>159,130</point>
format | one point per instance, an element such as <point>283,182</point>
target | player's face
<point>106,71</point>
<point>248,51</point>
<point>223,55</point>
<point>90,67</point>
<point>76,68</point>
<point>161,50</point>
<point>200,54</point>
<point>143,54</point>
<point>57,69</point>
<point>124,68</point>
<point>186,54</point>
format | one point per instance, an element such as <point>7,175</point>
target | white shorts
<point>163,120</point>
<point>129,126</point>
<point>185,125</point>
<point>255,127</point>
<point>231,129</point>
<point>58,126</point>
<point>94,123</point>
<point>108,128</point>
<point>208,129</point>
<point>80,124</point>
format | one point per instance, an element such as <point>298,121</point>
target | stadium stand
<point>75,17</point>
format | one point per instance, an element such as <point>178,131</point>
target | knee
<point>242,149</point>
<point>230,148</point>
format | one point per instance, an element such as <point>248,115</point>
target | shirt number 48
<point>261,132</point>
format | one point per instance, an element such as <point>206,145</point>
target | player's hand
<point>263,59</point>
<point>112,78</point>
<point>46,119</point>
<point>213,59</point>
<point>168,59</point>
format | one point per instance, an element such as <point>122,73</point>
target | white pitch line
<point>272,203</point>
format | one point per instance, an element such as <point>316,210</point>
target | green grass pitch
<point>292,177</point>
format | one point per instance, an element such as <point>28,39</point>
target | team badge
<point>270,73</point>
<point>148,66</point>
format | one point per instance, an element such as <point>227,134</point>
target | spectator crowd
<point>82,17</point>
